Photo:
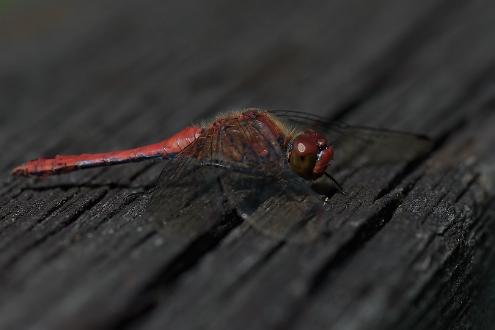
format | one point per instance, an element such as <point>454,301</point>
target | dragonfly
<point>268,167</point>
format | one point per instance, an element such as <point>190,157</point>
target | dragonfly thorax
<point>309,154</point>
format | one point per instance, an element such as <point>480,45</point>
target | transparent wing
<point>283,207</point>
<point>187,201</point>
<point>356,145</point>
<point>238,169</point>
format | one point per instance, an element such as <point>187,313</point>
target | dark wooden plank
<point>408,245</point>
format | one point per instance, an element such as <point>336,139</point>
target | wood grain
<point>410,246</point>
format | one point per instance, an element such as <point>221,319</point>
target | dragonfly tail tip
<point>19,171</point>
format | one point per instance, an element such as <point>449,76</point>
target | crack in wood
<point>146,300</point>
<point>437,210</point>
<point>61,225</point>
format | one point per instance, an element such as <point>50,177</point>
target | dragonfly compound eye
<point>309,155</point>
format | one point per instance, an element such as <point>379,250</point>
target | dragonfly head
<point>309,154</point>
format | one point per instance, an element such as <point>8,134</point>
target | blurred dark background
<point>86,76</point>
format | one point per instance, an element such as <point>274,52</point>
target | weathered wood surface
<point>412,248</point>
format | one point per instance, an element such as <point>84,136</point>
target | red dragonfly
<point>263,164</point>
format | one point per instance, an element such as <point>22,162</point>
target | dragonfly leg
<point>337,184</point>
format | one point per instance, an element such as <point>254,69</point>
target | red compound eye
<point>309,155</point>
